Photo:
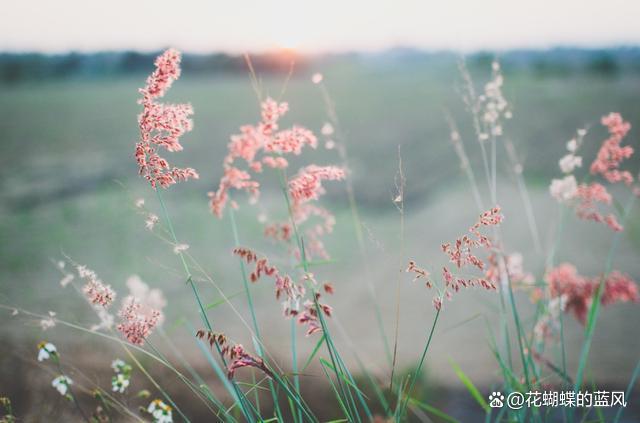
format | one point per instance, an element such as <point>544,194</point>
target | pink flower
<point>266,140</point>
<point>162,125</point>
<point>137,322</point>
<point>308,184</point>
<point>94,289</point>
<point>578,291</point>
<point>611,154</point>
<point>588,197</point>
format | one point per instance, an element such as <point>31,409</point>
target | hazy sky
<point>237,25</point>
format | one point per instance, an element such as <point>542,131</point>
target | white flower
<point>117,365</point>
<point>572,145</point>
<point>46,350</point>
<point>570,162</point>
<point>160,411</point>
<point>61,383</point>
<point>119,383</point>
<point>330,145</point>
<point>139,203</point>
<point>327,129</point>
<point>564,189</point>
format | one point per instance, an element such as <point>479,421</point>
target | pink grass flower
<point>258,145</point>
<point>94,289</point>
<point>308,184</point>
<point>578,291</point>
<point>162,125</point>
<point>137,322</point>
<point>611,154</point>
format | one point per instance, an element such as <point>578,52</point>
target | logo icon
<point>496,400</point>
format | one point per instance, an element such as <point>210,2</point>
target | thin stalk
<point>595,308</point>
<point>241,397</point>
<point>256,328</point>
<point>418,371</point>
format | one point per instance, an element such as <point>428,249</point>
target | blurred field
<point>68,180</point>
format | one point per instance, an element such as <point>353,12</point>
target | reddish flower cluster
<point>292,292</point>
<point>578,291</point>
<point>95,291</point>
<point>308,184</point>
<point>611,154</point>
<point>137,321</point>
<point>162,125</point>
<point>586,197</point>
<point>262,138</point>
<point>419,273</point>
<point>237,355</point>
<point>589,195</point>
<point>461,255</point>
<point>513,267</point>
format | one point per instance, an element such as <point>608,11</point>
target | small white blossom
<point>46,350</point>
<point>117,365</point>
<point>564,189</point>
<point>139,203</point>
<point>160,411</point>
<point>66,280</point>
<point>569,162</point>
<point>317,78</point>
<point>119,383</point>
<point>61,383</point>
<point>48,322</point>
<point>572,145</point>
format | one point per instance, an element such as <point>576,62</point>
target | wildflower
<point>241,358</point>
<point>162,125</point>
<point>578,291</point>
<point>564,189</point>
<point>160,411</point>
<point>513,265</point>
<point>180,248</point>
<point>419,272</point>
<point>569,162</point>
<point>317,78</point>
<point>61,383</point>
<point>461,254</point>
<point>118,365</point>
<point>139,203</point>
<point>137,322</point>
<point>95,291</point>
<point>119,383</point>
<point>589,195</point>
<point>330,144</point>
<point>328,288</point>
<point>253,140</point>
<point>308,184</point>
<point>151,221</point>
<point>611,154</point>
<point>147,297</point>
<point>46,350</point>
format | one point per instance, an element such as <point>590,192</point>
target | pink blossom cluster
<point>137,321</point>
<point>162,125</point>
<point>585,197</point>
<point>238,356</point>
<point>578,291</point>
<point>308,184</point>
<point>461,254</point>
<point>611,154</point>
<point>265,138</point>
<point>95,290</point>
<point>286,288</point>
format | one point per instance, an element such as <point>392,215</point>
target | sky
<point>315,26</point>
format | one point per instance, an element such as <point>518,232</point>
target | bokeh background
<point>68,88</point>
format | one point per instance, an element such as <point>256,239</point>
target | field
<point>68,184</point>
